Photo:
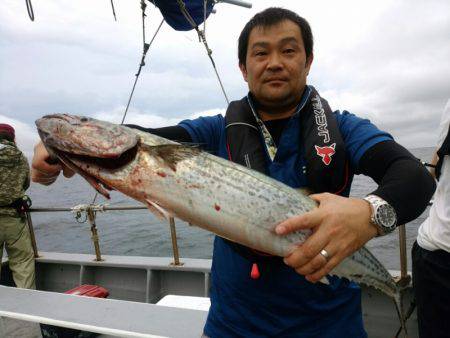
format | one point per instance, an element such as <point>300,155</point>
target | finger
<point>46,180</point>
<point>38,175</point>
<point>42,160</point>
<point>45,168</point>
<point>325,270</point>
<point>320,197</point>
<point>306,221</point>
<point>312,266</point>
<point>67,172</point>
<point>306,252</point>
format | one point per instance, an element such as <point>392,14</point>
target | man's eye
<point>260,53</point>
<point>289,51</point>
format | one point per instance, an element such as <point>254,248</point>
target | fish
<point>183,181</point>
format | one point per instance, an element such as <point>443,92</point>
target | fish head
<point>88,146</point>
<point>85,136</point>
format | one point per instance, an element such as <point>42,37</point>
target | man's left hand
<point>340,226</point>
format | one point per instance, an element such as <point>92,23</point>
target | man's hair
<point>6,136</point>
<point>270,17</point>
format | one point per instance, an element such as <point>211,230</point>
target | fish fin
<point>402,316</point>
<point>171,154</point>
<point>158,211</point>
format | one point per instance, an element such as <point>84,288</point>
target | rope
<point>143,7</point>
<point>429,165</point>
<point>113,10</point>
<point>202,38</point>
<point>204,16</point>
<point>146,47</point>
<point>425,163</point>
<point>142,64</point>
<point>30,9</point>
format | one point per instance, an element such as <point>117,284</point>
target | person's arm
<point>403,181</point>
<point>342,225</point>
<point>26,183</point>
<point>45,170</point>
<point>174,133</point>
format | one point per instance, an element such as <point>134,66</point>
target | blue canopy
<point>171,11</point>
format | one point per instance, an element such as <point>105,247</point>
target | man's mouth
<point>275,80</point>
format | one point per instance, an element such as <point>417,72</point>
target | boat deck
<point>105,316</point>
<point>143,281</point>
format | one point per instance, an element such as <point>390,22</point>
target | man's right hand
<point>42,171</point>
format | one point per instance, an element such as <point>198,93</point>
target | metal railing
<point>89,211</point>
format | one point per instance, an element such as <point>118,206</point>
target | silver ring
<point>325,254</point>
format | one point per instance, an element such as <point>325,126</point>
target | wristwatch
<point>383,217</point>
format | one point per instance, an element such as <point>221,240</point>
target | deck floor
<point>14,328</point>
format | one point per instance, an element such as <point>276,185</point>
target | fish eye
<point>83,119</point>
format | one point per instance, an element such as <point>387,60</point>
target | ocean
<point>140,233</point>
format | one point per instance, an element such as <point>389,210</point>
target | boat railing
<point>88,212</point>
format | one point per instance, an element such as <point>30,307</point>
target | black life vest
<point>324,149</point>
<point>443,151</point>
<point>327,166</point>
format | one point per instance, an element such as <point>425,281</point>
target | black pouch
<point>22,205</point>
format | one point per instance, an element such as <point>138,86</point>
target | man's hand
<point>340,226</point>
<point>42,171</point>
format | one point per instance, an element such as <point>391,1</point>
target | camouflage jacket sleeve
<point>27,181</point>
<point>14,176</point>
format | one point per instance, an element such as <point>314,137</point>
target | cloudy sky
<point>387,60</point>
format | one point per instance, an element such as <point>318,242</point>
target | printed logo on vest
<point>326,153</point>
<point>321,119</point>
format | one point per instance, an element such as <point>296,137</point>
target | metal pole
<point>173,234</point>
<point>91,217</point>
<point>237,3</point>
<point>2,327</point>
<point>104,208</point>
<point>404,277</point>
<point>32,237</point>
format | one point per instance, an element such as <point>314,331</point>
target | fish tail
<point>402,316</point>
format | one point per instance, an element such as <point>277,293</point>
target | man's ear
<point>308,63</point>
<point>243,71</point>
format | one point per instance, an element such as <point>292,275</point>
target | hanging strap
<point>113,10</point>
<point>202,38</point>
<point>443,151</point>
<point>30,9</point>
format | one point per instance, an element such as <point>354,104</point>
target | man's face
<point>276,67</point>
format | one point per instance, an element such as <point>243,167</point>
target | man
<point>14,232</point>
<point>431,252</point>
<point>284,129</point>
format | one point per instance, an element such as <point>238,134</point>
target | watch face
<point>386,216</point>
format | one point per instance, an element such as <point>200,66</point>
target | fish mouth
<point>86,166</point>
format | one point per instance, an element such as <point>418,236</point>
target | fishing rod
<point>236,2</point>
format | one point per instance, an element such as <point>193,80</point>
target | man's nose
<point>275,61</point>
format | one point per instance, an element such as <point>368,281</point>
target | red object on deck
<point>89,291</point>
<point>255,271</point>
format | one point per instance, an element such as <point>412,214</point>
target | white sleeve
<point>443,126</point>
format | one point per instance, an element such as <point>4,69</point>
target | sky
<point>385,60</point>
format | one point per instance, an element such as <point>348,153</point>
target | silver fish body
<point>225,198</point>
